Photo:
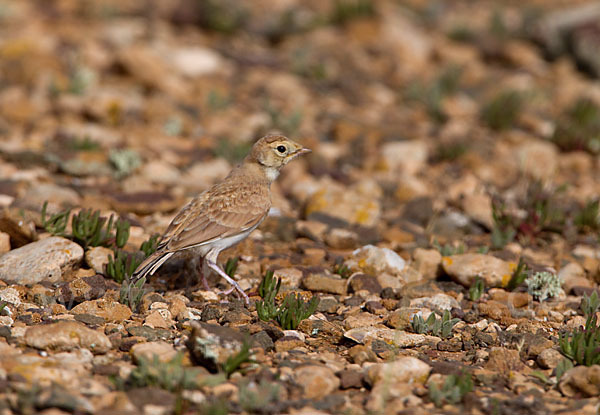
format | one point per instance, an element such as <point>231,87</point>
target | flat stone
<point>162,350</point>
<point>83,289</point>
<point>581,380</point>
<point>549,358</point>
<point>316,381</point>
<point>373,261</point>
<point>465,268</point>
<point>351,379</point>
<point>427,262</point>
<point>45,260</point>
<point>359,282</point>
<point>340,238</point>
<point>404,370</point>
<point>96,258</point>
<point>325,283</point>
<point>399,338</point>
<point>438,302</point>
<point>111,311</point>
<point>66,335</point>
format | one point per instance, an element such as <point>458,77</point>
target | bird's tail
<point>150,265</point>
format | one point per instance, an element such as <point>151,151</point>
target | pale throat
<point>271,172</point>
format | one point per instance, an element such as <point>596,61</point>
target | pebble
<point>373,260</point>
<point>465,268</point>
<point>359,282</point>
<point>96,258</point>
<point>326,283</point>
<point>162,350</point>
<point>339,238</point>
<point>46,260</point>
<point>427,262</point>
<point>66,335</point>
<point>404,370</point>
<point>549,358</point>
<point>438,302</point>
<point>581,380</point>
<point>111,311</point>
<point>399,338</point>
<point>317,382</point>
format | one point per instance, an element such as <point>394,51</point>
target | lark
<point>227,213</point>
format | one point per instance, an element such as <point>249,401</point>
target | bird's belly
<point>223,243</point>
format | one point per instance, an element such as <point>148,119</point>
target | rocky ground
<point>447,219</point>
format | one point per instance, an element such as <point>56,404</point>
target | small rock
<point>360,354</point>
<point>538,159</point>
<point>511,299</point>
<point>465,268</point>
<point>373,261</point>
<point>494,309</point>
<point>287,343</point>
<point>504,360</point>
<point>427,262</point>
<point>404,156</point>
<point>83,289</point>
<point>111,311</point>
<point>163,350</point>
<point>290,277</point>
<point>194,61</point>
<point>581,380</point>
<point>573,275</point>
<point>263,340</point>
<point>359,282</point>
<point>4,242</point>
<point>96,258</point>
<point>403,370</point>
<point>211,345</point>
<point>350,379</point>
<point>358,204</point>
<point>317,381</point>
<point>339,238</point>
<point>402,318</point>
<point>322,329</point>
<point>397,337</point>
<point>439,302</point>
<point>549,358</point>
<point>45,260</point>
<point>10,295</point>
<point>159,319</point>
<point>325,283</point>
<point>66,335</point>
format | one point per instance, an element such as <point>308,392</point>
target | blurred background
<point>445,120</point>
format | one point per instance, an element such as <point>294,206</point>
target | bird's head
<point>275,151</point>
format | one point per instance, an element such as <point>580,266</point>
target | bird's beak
<point>303,151</point>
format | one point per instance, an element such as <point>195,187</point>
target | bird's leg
<point>203,269</point>
<point>235,286</point>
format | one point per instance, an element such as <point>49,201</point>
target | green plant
<point>347,10</point>
<point>588,218</point>
<point>131,293</point>
<point>502,111</point>
<point>453,390</point>
<point>3,305</point>
<point>582,345</point>
<point>449,151</point>
<point>224,16</point>
<point>447,249</point>
<point>430,95</point>
<point>294,309</point>
<point>214,407</point>
<point>504,230</point>
<point>149,246</point>
<point>171,375</point>
<point>255,397</point>
<point>440,328</point>
<point>234,362</point>
<point>518,276</point>
<point>542,285</point>
<point>589,304</point>
<point>291,312</point>
<point>56,224</point>
<point>124,161</point>
<point>216,101</point>
<point>91,229</point>
<point>562,367</point>
<point>83,144</point>
<point>231,266</point>
<point>476,289</point>
<point>579,128</point>
<point>122,265</point>
<point>268,290</point>
<point>342,270</point>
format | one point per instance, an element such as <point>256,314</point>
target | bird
<point>227,212</point>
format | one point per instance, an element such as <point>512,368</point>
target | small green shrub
<point>56,224</point>
<point>582,345</point>
<point>476,289</point>
<point>235,361</point>
<point>448,249</point>
<point>502,111</point>
<point>590,304</point>
<point>453,390</point>
<point>542,285</point>
<point>438,327</point>
<point>171,376</point>
<point>588,218</point>
<point>579,128</point>
<point>131,293</point>
<point>231,266</point>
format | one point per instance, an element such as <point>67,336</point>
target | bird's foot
<point>234,285</point>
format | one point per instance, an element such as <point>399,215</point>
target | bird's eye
<point>281,149</point>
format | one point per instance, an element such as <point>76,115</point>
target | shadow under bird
<point>227,213</point>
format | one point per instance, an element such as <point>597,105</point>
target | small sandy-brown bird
<point>226,213</point>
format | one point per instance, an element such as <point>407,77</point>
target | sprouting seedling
<point>294,309</point>
<point>476,290</point>
<point>518,277</point>
<point>440,328</point>
<point>231,266</point>
<point>234,362</point>
<point>56,224</point>
<point>590,304</point>
<point>268,290</point>
<point>122,265</point>
<point>131,293</point>
<point>453,390</point>
<point>122,233</point>
<point>89,228</point>
<point>582,344</point>
<point>149,247</point>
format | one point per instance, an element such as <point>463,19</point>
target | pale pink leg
<point>235,286</point>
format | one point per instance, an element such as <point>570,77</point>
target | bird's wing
<point>220,212</point>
